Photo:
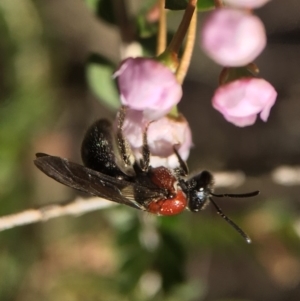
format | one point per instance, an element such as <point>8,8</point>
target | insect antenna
<point>229,221</point>
<point>241,195</point>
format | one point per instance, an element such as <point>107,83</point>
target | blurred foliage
<point>99,76</point>
<point>202,5</point>
<point>117,254</point>
<point>24,106</point>
<point>176,4</point>
<point>105,11</point>
<point>24,68</point>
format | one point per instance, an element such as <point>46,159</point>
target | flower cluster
<point>233,37</point>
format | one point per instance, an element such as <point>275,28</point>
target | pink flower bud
<point>163,134</point>
<point>240,101</point>
<point>246,3</point>
<point>233,37</point>
<point>149,86</point>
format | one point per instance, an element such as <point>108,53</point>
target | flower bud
<point>147,85</point>
<point>241,100</point>
<point>233,37</point>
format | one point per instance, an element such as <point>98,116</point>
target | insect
<point>112,173</point>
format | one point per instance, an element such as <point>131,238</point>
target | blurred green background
<point>51,89</point>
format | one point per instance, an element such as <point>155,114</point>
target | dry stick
<point>77,207</point>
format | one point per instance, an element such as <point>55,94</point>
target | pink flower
<point>233,37</point>
<point>241,100</point>
<point>163,134</point>
<point>149,86</point>
<point>246,3</point>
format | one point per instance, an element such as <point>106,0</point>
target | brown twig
<point>178,38</point>
<point>162,29</point>
<point>188,50</point>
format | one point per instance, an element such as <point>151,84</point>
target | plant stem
<point>188,50</point>
<point>218,3</point>
<point>162,29</point>
<point>183,27</point>
<point>124,23</point>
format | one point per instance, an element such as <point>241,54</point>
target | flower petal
<point>239,101</point>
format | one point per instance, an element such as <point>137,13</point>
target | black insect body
<point>97,150</point>
<point>111,172</point>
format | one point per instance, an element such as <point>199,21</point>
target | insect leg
<point>145,162</point>
<point>182,170</point>
<point>122,143</point>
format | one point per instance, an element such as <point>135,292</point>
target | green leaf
<point>204,5</point>
<point>99,75</point>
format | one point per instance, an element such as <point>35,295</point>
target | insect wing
<point>89,181</point>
